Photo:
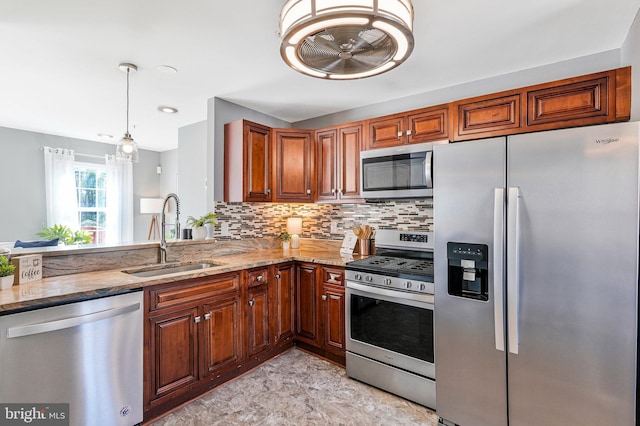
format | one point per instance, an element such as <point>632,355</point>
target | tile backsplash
<point>258,220</point>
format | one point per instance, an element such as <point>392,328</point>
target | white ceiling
<point>59,59</point>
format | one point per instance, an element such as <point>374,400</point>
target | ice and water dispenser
<point>468,270</point>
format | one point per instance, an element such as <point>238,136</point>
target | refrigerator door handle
<point>498,276</point>
<point>513,267</point>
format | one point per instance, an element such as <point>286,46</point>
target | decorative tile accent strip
<point>266,220</point>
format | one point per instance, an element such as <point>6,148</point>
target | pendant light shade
<point>345,40</point>
<point>127,147</point>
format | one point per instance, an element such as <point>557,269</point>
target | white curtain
<point>60,187</point>
<point>119,200</point>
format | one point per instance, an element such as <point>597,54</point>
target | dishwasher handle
<point>45,327</point>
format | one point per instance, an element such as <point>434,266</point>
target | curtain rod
<point>101,157</point>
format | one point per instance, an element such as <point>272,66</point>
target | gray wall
<point>23,211</point>
<point>192,170</point>
<point>631,56</point>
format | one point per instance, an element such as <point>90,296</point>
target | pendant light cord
<point>128,70</point>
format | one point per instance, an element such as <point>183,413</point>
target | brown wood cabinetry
<point>338,163</point>
<point>283,304</point>
<point>248,162</point>
<point>333,310</point>
<point>294,169</point>
<point>192,330</point>
<point>590,99</point>
<point>423,125</point>
<point>264,164</point>
<point>306,294</point>
<point>257,308</point>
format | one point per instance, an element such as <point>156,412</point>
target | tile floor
<point>298,389</point>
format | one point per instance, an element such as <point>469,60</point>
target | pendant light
<point>127,147</point>
<point>345,40</point>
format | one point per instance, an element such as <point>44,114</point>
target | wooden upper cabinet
<point>338,163</point>
<point>248,162</point>
<point>488,116</point>
<point>293,180</point>
<point>599,98</point>
<point>423,125</point>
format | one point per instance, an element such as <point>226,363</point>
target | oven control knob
<point>369,278</point>
<point>422,287</point>
<point>387,281</point>
<point>407,284</point>
<point>358,277</point>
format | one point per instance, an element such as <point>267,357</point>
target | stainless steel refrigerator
<point>536,272</point>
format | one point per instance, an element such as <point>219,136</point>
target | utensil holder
<point>365,246</point>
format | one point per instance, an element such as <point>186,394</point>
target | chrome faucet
<point>163,238</point>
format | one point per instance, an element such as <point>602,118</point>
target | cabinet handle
<point>207,316</point>
<point>259,278</point>
<point>277,276</point>
<point>251,302</point>
<point>308,191</point>
<point>399,134</point>
<point>409,132</point>
<point>197,319</point>
<point>324,297</point>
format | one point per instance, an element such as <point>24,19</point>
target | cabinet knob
<point>259,278</point>
<point>340,191</point>
<point>277,276</point>
<point>197,319</point>
<point>324,297</point>
<point>268,192</point>
<point>207,316</point>
<point>399,134</point>
<point>308,191</point>
<point>252,302</point>
<point>333,190</point>
<point>409,132</point>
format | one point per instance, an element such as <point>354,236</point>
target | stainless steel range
<point>389,316</point>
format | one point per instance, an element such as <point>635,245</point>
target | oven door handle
<point>498,262</point>
<point>371,290</point>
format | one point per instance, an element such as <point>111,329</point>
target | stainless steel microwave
<point>398,172</point>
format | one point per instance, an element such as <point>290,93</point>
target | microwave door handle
<point>428,161</point>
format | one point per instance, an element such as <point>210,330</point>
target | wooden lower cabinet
<point>202,332</point>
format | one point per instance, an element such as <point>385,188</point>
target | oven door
<point>391,327</point>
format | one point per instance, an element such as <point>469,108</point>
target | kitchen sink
<point>170,268</point>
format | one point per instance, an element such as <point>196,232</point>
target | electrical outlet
<point>224,229</point>
<point>334,227</point>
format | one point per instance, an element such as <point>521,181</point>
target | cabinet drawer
<point>187,291</point>
<point>333,276</point>
<point>258,277</point>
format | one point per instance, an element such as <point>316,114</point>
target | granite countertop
<point>81,286</point>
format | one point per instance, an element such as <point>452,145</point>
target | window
<point>91,184</point>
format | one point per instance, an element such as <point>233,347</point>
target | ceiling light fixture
<point>127,147</point>
<point>168,109</point>
<point>345,40</point>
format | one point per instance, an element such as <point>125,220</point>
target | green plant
<point>6,268</point>
<point>66,235</point>
<point>284,236</point>
<point>202,220</point>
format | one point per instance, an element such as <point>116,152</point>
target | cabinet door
<point>283,303</point>
<point>293,177</point>
<point>173,350</point>
<point>257,162</point>
<point>222,332</point>
<point>333,319</point>
<point>350,141</point>
<point>306,302</point>
<point>258,320</point>
<point>485,117</point>
<point>386,131</point>
<point>326,165</point>
<point>430,124</point>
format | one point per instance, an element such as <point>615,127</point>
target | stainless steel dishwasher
<point>87,354</point>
